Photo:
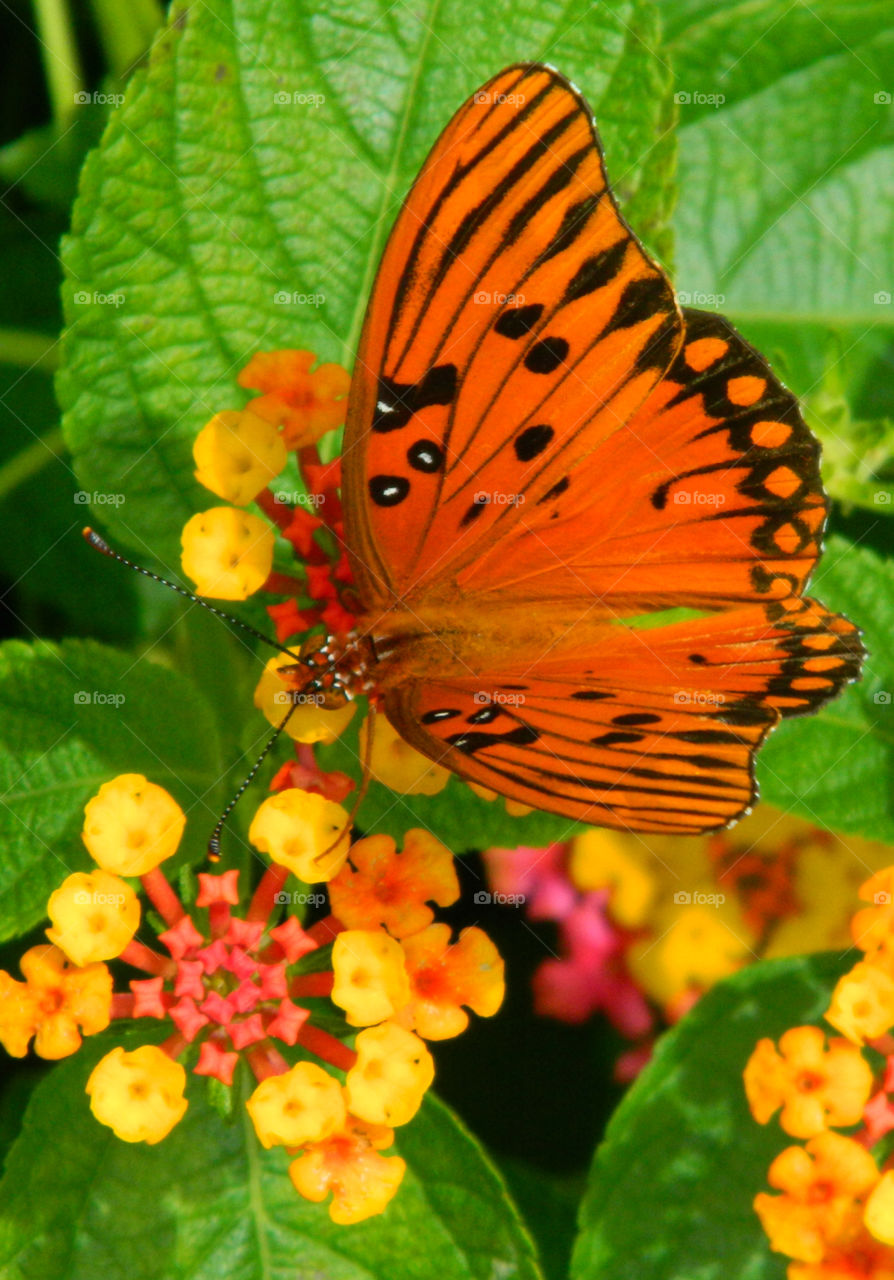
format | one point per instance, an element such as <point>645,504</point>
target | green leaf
<point>72,716</point>
<point>671,1187</point>
<point>786,208</point>
<point>208,198</point>
<point>209,1201</point>
<point>832,767</point>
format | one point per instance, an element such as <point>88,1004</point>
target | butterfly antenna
<point>361,791</point>
<point>214,842</point>
<point>99,544</point>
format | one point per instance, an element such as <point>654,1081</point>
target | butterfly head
<point>330,671</point>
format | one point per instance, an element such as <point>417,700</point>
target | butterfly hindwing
<point>515,322</point>
<point>655,731</point>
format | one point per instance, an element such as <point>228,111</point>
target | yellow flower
<point>94,916</point>
<point>393,1070</point>
<point>371,982</point>
<point>302,1105</point>
<point>862,1006</point>
<point>19,1015</point>
<point>309,722</point>
<point>398,765</point>
<point>227,553</point>
<point>297,829</point>
<point>349,1165</point>
<point>138,1094</point>
<point>604,860</point>
<point>879,1213</point>
<point>696,946</point>
<point>817,1086</point>
<point>65,1001</point>
<point>131,825</point>
<point>237,454</point>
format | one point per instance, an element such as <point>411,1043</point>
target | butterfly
<point>544,455</point>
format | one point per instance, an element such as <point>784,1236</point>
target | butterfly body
<point>541,447</point>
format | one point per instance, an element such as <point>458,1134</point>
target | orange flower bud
<point>349,1165</point>
<point>384,887</point>
<point>67,1000</point>
<point>444,977</point>
<point>816,1086</point>
<point>862,1006</point>
<point>305,404</point>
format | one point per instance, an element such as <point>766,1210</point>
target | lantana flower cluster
<point>646,925</point>
<point>832,1206</point>
<point>241,985</point>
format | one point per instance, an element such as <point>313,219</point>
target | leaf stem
<point>28,350</point>
<point>30,460</point>
<point>59,53</point>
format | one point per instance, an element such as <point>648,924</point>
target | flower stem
<point>162,896</point>
<point>327,1047</point>
<point>143,957</point>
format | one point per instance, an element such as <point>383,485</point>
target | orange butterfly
<point>541,447</point>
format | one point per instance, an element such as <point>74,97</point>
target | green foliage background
<point>751,146</point>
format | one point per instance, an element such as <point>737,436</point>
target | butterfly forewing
<point>515,324</point>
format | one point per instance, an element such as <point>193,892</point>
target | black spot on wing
<point>468,743</point>
<point>425,456</point>
<point>532,441</point>
<point>388,491</point>
<point>517,322</point>
<point>596,272</point>
<point>546,356</point>
<point>396,402</point>
<point>442,713</point>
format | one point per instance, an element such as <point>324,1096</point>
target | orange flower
<point>55,1004</point>
<point>443,977</point>
<point>816,1086</point>
<point>824,1187</point>
<point>388,888</point>
<point>349,1165</point>
<point>304,404</point>
<point>862,1005</point>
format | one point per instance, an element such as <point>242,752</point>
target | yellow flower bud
<point>879,1213</point>
<point>138,1094</point>
<point>398,765</point>
<point>302,1105</point>
<point>227,553</point>
<point>237,454</point>
<point>371,981</point>
<point>131,825</point>
<point>297,829</point>
<point>309,722</point>
<point>862,1006</point>
<point>389,1079</point>
<point>94,916</point>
